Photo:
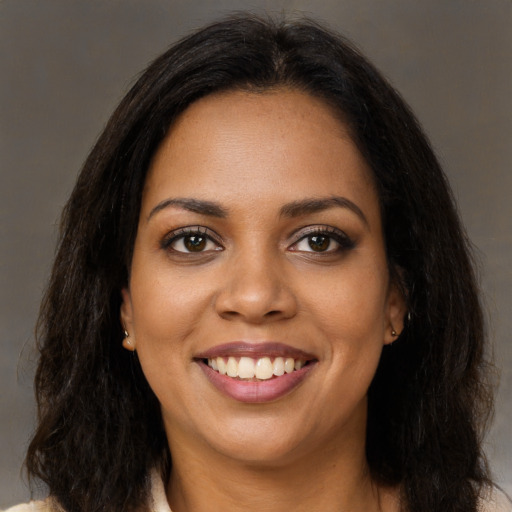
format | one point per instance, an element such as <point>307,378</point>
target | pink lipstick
<point>255,372</point>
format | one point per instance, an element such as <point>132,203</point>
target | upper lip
<point>255,350</point>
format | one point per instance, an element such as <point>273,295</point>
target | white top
<point>158,500</point>
<point>496,501</point>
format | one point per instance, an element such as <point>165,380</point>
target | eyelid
<point>183,231</point>
<point>338,235</point>
<point>344,241</point>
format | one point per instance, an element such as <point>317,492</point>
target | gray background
<point>65,64</point>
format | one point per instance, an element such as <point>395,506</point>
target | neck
<point>329,479</point>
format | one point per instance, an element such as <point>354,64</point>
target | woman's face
<point>259,298</point>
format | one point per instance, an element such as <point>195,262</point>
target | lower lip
<point>256,391</point>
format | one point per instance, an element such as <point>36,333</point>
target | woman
<point>263,296</point>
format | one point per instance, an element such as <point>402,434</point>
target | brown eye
<point>195,243</point>
<point>189,241</point>
<point>324,239</point>
<point>319,243</point>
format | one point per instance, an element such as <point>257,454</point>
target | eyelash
<point>343,241</point>
<point>189,232</point>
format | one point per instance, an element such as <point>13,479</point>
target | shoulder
<point>47,505</point>
<point>495,500</point>
<point>33,506</point>
<point>158,499</point>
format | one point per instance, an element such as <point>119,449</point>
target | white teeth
<point>278,366</point>
<point>248,368</point>
<point>232,367</point>
<point>222,365</point>
<point>264,369</point>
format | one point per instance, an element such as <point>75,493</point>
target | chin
<point>260,442</point>
<point>262,454</point>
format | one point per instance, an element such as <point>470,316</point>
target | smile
<point>248,368</point>
<point>255,373</point>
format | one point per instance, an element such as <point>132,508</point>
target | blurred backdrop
<point>64,65</point>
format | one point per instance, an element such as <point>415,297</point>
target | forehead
<point>281,143</point>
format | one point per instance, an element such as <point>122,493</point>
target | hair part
<point>100,428</point>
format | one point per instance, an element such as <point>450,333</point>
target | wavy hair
<point>100,429</point>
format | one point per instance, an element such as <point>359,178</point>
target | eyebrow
<point>193,205</point>
<point>313,205</point>
<point>293,209</point>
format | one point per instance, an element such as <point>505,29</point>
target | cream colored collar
<point>158,497</point>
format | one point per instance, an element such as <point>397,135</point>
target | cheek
<point>166,312</point>
<point>349,301</point>
<point>350,313</point>
<point>167,305</point>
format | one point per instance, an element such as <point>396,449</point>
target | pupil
<point>319,242</point>
<point>195,243</point>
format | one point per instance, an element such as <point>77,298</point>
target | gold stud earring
<point>393,332</point>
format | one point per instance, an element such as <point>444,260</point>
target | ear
<point>396,310</point>
<point>127,320</point>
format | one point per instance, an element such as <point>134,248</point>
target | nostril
<point>230,313</point>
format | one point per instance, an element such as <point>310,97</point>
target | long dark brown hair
<point>100,429</point>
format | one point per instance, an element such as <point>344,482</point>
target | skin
<point>259,279</point>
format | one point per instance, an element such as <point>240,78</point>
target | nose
<point>256,289</point>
